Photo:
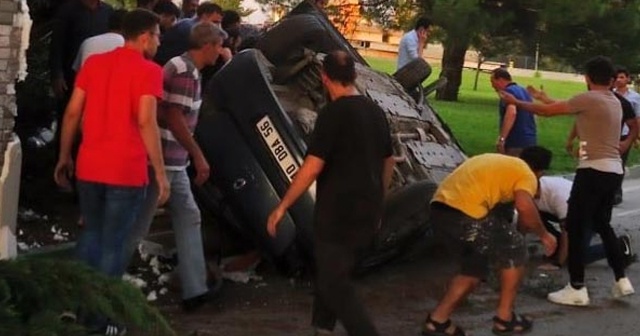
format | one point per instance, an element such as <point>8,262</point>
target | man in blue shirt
<point>517,128</point>
<point>413,42</point>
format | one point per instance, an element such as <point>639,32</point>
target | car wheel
<point>413,74</point>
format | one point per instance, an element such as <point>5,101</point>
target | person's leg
<point>459,287</point>
<point>89,244</point>
<point>141,226</point>
<point>335,263</point>
<point>186,220</point>
<point>583,205</point>
<point>608,183</point>
<point>122,206</point>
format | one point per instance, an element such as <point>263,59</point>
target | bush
<point>34,294</point>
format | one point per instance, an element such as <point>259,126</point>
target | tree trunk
<point>452,63</point>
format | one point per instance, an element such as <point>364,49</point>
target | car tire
<point>289,37</point>
<point>413,73</point>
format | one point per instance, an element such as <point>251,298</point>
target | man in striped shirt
<point>177,117</point>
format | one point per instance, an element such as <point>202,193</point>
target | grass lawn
<point>474,117</point>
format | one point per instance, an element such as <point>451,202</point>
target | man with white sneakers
<point>598,175</point>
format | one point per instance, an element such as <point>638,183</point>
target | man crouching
<point>465,215</point>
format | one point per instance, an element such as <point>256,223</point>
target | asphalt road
<point>398,296</point>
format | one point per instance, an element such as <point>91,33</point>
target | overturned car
<point>258,112</point>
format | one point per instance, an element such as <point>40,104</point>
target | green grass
<point>473,119</point>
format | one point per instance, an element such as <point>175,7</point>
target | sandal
<point>519,324</point>
<point>433,328</point>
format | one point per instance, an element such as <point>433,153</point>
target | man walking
<point>353,169</point>
<point>178,116</point>
<point>598,175</point>
<point>115,100</point>
<point>517,127</point>
<point>466,214</point>
<point>413,42</point>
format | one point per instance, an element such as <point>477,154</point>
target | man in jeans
<point>115,100</point>
<point>599,174</point>
<point>178,116</point>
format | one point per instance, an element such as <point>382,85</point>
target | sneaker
<point>622,288</point>
<point>570,296</point>
<point>192,304</point>
<point>111,330</point>
<point>627,250</point>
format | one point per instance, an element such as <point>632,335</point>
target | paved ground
<point>399,295</point>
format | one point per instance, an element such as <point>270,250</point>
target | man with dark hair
<point>413,42</point>
<point>176,40</point>
<point>551,200</point>
<point>620,86</point>
<point>598,176</point>
<point>178,116</point>
<point>146,4</point>
<point>466,212</point>
<point>189,8</point>
<point>169,14</point>
<point>74,22</point>
<point>115,100</point>
<point>517,128</point>
<point>353,171</point>
<point>104,42</point>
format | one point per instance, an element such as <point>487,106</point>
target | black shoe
<point>192,304</point>
<point>111,329</point>
<point>627,250</point>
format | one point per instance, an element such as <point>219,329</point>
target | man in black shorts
<point>467,215</point>
<point>350,156</point>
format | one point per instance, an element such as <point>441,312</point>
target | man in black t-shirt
<point>350,156</point>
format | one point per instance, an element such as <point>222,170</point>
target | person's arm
<point>56,50</point>
<point>632,124</point>
<point>70,123</point>
<point>507,125</point>
<point>173,116</point>
<point>573,134</point>
<point>545,110</point>
<point>413,47</point>
<point>311,168</point>
<point>150,133</point>
<point>529,220</point>
<point>387,173</point>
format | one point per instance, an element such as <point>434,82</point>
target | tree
<point>575,31</point>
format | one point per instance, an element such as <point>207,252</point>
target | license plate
<point>279,150</point>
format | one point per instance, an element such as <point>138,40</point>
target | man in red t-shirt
<point>114,98</point>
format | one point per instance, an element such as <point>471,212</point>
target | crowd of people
<point>131,86</point>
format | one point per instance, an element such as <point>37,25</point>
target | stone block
<point>6,18</point>
<point>8,6</point>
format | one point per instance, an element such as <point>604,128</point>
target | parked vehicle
<point>258,112</point>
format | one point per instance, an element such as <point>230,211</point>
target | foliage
<point>575,31</point>
<point>34,293</point>
<point>235,5</point>
<point>126,4</point>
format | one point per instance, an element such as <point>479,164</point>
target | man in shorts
<point>467,213</point>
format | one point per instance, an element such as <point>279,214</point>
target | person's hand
<point>202,170</point>
<point>63,172</point>
<point>164,190</point>
<point>423,34</point>
<point>274,219</point>
<point>550,243</point>
<point>569,147</point>
<point>537,94</point>
<point>500,146</point>
<point>507,97</point>
<point>59,87</point>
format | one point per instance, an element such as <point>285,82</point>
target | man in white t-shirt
<point>102,43</point>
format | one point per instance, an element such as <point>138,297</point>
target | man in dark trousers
<point>598,116</point>
<point>350,156</point>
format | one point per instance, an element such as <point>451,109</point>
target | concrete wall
<point>14,38</point>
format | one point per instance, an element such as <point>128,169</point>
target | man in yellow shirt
<point>466,215</point>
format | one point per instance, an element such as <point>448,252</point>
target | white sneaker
<point>622,288</point>
<point>570,296</point>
